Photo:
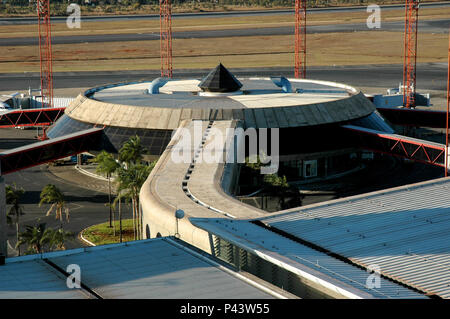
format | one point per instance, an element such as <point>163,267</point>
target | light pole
<point>179,214</point>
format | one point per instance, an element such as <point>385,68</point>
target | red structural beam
<point>45,51</point>
<point>50,150</point>
<point>397,145</point>
<point>31,117</point>
<point>300,39</point>
<point>165,24</point>
<point>410,53</point>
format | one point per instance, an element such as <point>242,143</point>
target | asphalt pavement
<point>85,196</point>
<point>430,76</point>
<point>440,26</point>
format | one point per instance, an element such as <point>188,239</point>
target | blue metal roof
<point>304,261</point>
<point>32,279</point>
<point>157,268</point>
<point>405,231</point>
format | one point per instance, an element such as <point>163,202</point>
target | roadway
<point>439,26</point>
<point>430,76</point>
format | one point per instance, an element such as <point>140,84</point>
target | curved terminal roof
<point>260,103</point>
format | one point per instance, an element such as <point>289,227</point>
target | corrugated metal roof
<point>34,279</point>
<point>303,260</point>
<point>158,269</point>
<point>405,231</point>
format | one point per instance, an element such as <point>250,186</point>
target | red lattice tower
<point>410,53</point>
<point>300,39</point>
<point>165,23</point>
<point>45,51</point>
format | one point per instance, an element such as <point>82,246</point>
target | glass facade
<point>243,260</point>
<point>155,141</point>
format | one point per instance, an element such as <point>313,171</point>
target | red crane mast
<point>165,22</point>
<point>410,53</point>
<point>45,51</point>
<point>300,39</point>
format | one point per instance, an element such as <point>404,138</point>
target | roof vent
<point>156,84</point>
<point>220,80</point>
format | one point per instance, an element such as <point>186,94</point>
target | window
<point>310,169</point>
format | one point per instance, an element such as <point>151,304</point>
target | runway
<point>427,26</point>
<point>430,76</point>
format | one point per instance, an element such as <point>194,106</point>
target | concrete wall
<point>158,217</point>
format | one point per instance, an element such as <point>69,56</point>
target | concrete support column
<point>3,235</point>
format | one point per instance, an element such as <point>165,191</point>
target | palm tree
<point>58,238</point>
<point>36,237</point>
<point>132,151</point>
<point>13,195</point>
<point>118,199</point>
<point>129,183</point>
<point>107,165</point>
<point>52,195</point>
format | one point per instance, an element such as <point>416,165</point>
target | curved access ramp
<point>184,179</point>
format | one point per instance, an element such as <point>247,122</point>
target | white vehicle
<point>4,106</point>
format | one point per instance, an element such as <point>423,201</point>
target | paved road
<point>32,20</point>
<point>87,205</point>
<point>431,26</point>
<point>430,76</point>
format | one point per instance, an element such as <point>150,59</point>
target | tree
<point>118,199</point>
<point>13,195</point>
<point>107,165</point>
<point>275,182</point>
<point>52,195</point>
<point>132,151</point>
<point>130,176</point>
<point>129,183</point>
<point>37,238</point>
<point>58,238</point>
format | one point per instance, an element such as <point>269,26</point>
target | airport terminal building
<point>324,250</point>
